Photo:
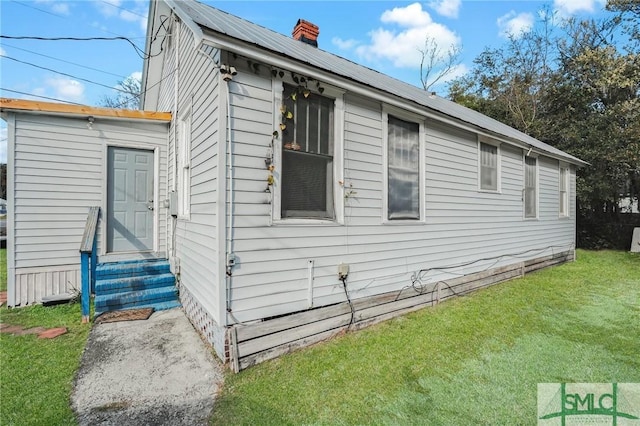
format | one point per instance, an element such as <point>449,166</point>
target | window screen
<point>307,155</point>
<point>403,169</point>
<point>564,191</point>
<point>530,187</point>
<point>488,167</point>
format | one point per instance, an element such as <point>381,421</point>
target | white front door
<point>129,200</point>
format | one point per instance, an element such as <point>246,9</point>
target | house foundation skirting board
<point>204,322</point>
<point>255,343</point>
<point>32,284</point>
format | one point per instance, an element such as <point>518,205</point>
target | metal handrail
<point>88,258</point>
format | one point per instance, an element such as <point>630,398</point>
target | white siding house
<point>57,169</point>
<point>308,194</point>
<point>302,161</point>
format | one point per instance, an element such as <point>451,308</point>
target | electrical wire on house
<point>343,278</point>
<point>141,53</point>
<point>422,288</point>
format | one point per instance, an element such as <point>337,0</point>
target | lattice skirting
<point>204,323</point>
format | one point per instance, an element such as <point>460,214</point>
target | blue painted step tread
<point>160,306</point>
<point>135,298</point>
<point>145,282</point>
<point>131,269</point>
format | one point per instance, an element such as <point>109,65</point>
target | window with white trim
<point>530,187</point>
<point>184,166</point>
<point>564,191</point>
<point>489,164</point>
<point>403,169</point>
<point>307,155</point>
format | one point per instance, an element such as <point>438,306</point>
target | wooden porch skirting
<point>255,343</point>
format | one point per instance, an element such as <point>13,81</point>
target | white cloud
<point>344,44</point>
<point>137,75</point>
<point>65,88</point>
<point>409,16</point>
<point>3,143</point>
<point>108,8</point>
<point>571,7</point>
<point>2,51</point>
<point>114,9</point>
<point>448,8</point>
<point>59,7</point>
<point>401,46</point>
<point>514,25</point>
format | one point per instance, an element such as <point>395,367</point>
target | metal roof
<point>224,23</point>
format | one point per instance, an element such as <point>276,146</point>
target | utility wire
<point>139,51</point>
<point>122,8</point>
<point>37,8</point>
<point>66,62</point>
<point>38,96</point>
<point>62,73</point>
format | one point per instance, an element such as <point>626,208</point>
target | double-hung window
<point>564,191</point>
<point>307,155</point>
<point>530,187</point>
<point>489,163</point>
<point>184,166</point>
<point>403,169</point>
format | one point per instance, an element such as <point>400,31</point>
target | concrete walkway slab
<point>152,372</point>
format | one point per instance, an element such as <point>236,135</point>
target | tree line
<point>574,84</point>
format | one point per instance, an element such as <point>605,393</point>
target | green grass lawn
<point>36,375</point>
<point>3,269</point>
<point>470,360</point>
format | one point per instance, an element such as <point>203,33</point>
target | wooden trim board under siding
<point>255,343</point>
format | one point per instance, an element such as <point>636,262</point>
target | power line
<point>66,62</point>
<point>67,17</point>
<point>139,51</point>
<point>37,8</point>
<point>38,96</point>
<point>62,73</point>
<point>122,8</point>
<point>145,92</point>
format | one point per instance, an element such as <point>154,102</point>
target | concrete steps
<point>135,284</point>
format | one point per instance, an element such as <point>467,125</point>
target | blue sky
<point>384,35</point>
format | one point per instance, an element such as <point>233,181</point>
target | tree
<point>507,83</point>
<point>435,64</point>
<point>579,90</point>
<point>127,97</point>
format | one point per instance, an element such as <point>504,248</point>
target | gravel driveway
<point>152,372</point>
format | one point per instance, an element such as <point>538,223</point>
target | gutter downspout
<point>229,255</point>
<point>176,77</point>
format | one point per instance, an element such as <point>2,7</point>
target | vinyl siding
<point>461,223</point>
<point>196,237</point>
<point>58,174</point>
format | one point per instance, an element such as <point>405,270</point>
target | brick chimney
<point>306,32</point>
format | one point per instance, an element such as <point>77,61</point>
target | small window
<point>530,187</point>
<point>488,167</point>
<point>184,166</point>
<point>307,155</point>
<point>403,168</point>
<point>564,191</point>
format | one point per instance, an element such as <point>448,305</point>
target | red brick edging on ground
<point>43,333</point>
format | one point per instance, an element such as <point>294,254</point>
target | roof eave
<point>51,108</point>
<point>279,59</point>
